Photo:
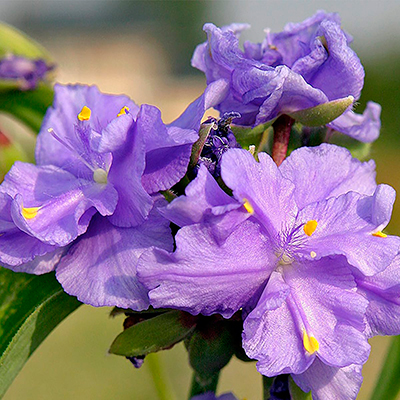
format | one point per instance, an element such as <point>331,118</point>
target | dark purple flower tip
<point>307,64</point>
<point>137,362</point>
<point>28,73</point>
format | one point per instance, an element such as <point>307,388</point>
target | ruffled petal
<point>350,225</point>
<point>341,74</point>
<point>52,205</point>
<point>271,335</point>
<point>206,276</point>
<point>202,195</point>
<point>327,171</point>
<point>316,299</point>
<point>382,292</point>
<point>364,127</point>
<point>62,118</point>
<point>262,186</point>
<point>330,383</point>
<point>100,268</point>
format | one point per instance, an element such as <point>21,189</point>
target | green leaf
<point>250,136</point>
<point>16,42</point>
<point>388,384</point>
<point>323,113</point>
<point>29,107</point>
<point>31,307</point>
<point>151,335</point>
<point>211,347</point>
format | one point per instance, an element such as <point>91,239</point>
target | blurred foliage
<point>177,25</point>
<point>382,85</point>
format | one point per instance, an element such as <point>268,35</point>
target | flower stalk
<point>282,127</point>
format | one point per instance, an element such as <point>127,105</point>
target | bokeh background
<point>143,49</point>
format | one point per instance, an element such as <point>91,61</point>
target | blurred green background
<point>143,49</point>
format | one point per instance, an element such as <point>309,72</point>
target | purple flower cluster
<point>89,206</point>
<point>27,73</point>
<point>298,249</point>
<point>307,64</point>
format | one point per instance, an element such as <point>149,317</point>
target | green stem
<point>267,383</point>
<point>388,385</point>
<point>160,379</point>
<point>201,385</point>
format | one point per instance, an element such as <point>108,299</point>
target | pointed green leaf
<point>154,334</point>
<point>388,384</point>
<point>29,107</point>
<point>323,113</point>
<point>31,307</point>
<point>16,42</point>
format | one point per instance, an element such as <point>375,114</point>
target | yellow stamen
<point>124,110</point>
<point>310,343</point>
<point>29,212</point>
<point>313,254</point>
<point>379,234</point>
<point>85,114</point>
<point>310,227</point>
<point>249,208</point>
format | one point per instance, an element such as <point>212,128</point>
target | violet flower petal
<point>235,269</point>
<point>270,195</point>
<point>330,383</point>
<point>62,118</point>
<point>364,127</point>
<point>315,291</point>
<point>382,291</point>
<point>57,199</point>
<point>347,224</point>
<point>100,268</point>
<point>327,171</point>
<point>201,195</point>
<point>16,246</point>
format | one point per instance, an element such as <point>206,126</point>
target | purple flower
<point>286,248</point>
<point>25,71</point>
<point>307,64</point>
<point>89,205</point>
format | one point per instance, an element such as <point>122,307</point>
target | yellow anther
<point>85,114</point>
<point>313,254</point>
<point>310,343</point>
<point>124,110</point>
<point>379,234</point>
<point>29,212</point>
<point>249,208</point>
<point>310,227</point>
